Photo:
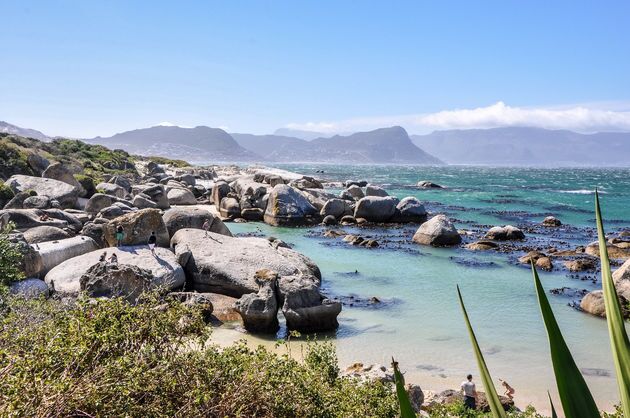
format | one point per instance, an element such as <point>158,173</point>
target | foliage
<point>108,358</point>
<point>457,409</point>
<point>6,194</point>
<point>13,160</point>
<point>616,328</point>
<point>491,392</point>
<point>87,183</point>
<point>574,394</point>
<point>168,161</point>
<point>406,410</point>
<point>10,258</point>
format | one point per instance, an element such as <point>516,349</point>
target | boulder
<point>64,193</point>
<point>31,218</point>
<point>428,185</point>
<point>54,253</point>
<point>348,220</point>
<point>551,221</point>
<point>246,187</point>
<point>166,272</point>
<point>111,189</point>
<point>482,245</point>
<point>317,197</point>
<point>36,202</point>
<point>530,256</point>
<point>355,191</point>
<point>96,231</point>
<point>371,190</point>
<point>505,233</point>
<point>336,208</point>
<point>288,207</point>
<point>438,231</point>
<point>111,280</point>
<point>307,182</point>
<point>201,301</point>
<point>142,201</point>
<point>544,263</point>
<point>58,171</point>
<point>29,289</point>
<point>17,201</point>
<point>329,220</point>
<point>193,217</point>
<point>37,163</point>
<point>44,233</point>
<point>581,264</point>
<point>410,210</point>
<point>230,208</point>
<point>121,181</point>
<point>253,214</point>
<point>593,303</point>
<point>137,228</point>
<point>260,310</point>
<point>614,250</point>
<point>180,196</point>
<point>360,183</point>
<point>220,190</point>
<point>154,192</point>
<point>98,202</point>
<point>376,209</point>
<point>228,265</point>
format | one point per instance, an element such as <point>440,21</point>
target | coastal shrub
<point>168,161</point>
<point>87,183</point>
<point>6,194</point>
<point>10,258</point>
<point>108,358</point>
<point>457,409</point>
<point>12,159</point>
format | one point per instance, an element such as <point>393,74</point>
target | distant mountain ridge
<point>8,128</point>
<point>527,146</point>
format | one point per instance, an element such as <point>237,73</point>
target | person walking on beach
<point>152,241</point>
<point>470,393</point>
<point>206,227</point>
<point>120,234</point>
<point>509,390</point>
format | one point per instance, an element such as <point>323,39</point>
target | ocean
<point>418,320</point>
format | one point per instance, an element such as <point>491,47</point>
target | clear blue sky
<point>84,68</point>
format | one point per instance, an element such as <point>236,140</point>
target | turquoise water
<point>419,321</point>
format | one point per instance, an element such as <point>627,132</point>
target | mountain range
<point>516,146</point>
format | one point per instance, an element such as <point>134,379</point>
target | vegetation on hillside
<point>10,258</point>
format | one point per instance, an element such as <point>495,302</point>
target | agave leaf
<point>553,410</point>
<point>616,327</point>
<point>491,393</point>
<point>575,396</point>
<point>406,410</point>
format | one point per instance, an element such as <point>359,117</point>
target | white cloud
<point>575,118</point>
<point>171,124</point>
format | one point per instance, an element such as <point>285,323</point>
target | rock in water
<point>116,280</point>
<point>371,190</point>
<point>438,231</point>
<point>137,228</point>
<point>64,193</point>
<point>505,233</point>
<point>260,310</point>
<point>58,171</point>
<point>410,210</point>
<point>165,271</point>
<point>376,209</point>
<point>429,185</point>
<point>593,303</point>
<point>193,217</point>
<point>336,208</point>
<point>228,265</point>
<point>551,221</point>
<point>289,207</point>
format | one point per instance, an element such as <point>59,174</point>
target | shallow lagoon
<point>419,320</point>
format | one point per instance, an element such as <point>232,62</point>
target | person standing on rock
<point>470,393</point>
<point>206,227</point>
<point>120,234</point>
<point>152,241</point>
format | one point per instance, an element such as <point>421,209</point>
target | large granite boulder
<point>58,171</point>
<point>111,280</point>
<point>29,289</point>
<point>193,217</point>
<point>166,272</point>
<point>181,196</point>
<point>31,218</point>
<point>228,265</point>
<point>121,181</point>
<point>425,184</point>
<point>317,197</point>
<point>617,251</point>
<point>53,253</point>
<point>260,310</point>
<point>355,191</point>
<point>247,187</point>
<point>410,209</point>
<point>154,192</point>
<point>98,202</point>
<point>372,190</point>
<point>593,303</point>
<point>37,163</point>
<point>505,233</point>
<point>288,207</point>
<point>337,208</point>
<point>37,202</point>
<point>111,189</point>
<point>62,192</point>
<point>220,190</point>
<point>375,208</point>
<point>230,208</point>
<point>438,231</point>
<point>44,233</point>
<point>137,227</point>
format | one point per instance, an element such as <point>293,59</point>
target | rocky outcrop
<point>166,272</point>
<point>154,192</point>
<point>31,218</point>
<point>581,264</point>
<point>110,280</point>
<point>505,233</point>
<point>288,207</point>
<point>58,171</point>
<point>137,227</point>
<point>336,208</point>
<point>193,217</point>
<point>354,191</point>
<point>228,265</point>
<point>220,190</point>
<point>438,231</point>
<point>482,245</point>
<point>376,209</point>
<point>410,210</point>
<point>260,310</point>
<point>44,233</point>
<point>62,192</point>
<point>181,196</point>
<point>616,251</point>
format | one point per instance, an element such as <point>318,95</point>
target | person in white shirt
<point>470,393</point>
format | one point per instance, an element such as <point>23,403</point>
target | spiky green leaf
<point>616,327</point>
<point>406,410</point>
<point>491,393</point>
<point>575,396</point>
<point>553,410</point>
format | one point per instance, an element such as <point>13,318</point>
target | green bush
<point>87,183</point>
<point>168,161</point>
<point>107,358</point>
<point>6,194</point>
<point>10,259</point>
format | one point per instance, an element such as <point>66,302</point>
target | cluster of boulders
<point>593,302</point>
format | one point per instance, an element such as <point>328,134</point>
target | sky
<point>87,68</point>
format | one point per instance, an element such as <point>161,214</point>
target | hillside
<point>526,146</point>
<point>199,144</point>
<point>8,128</point>
<point>385,145</point>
